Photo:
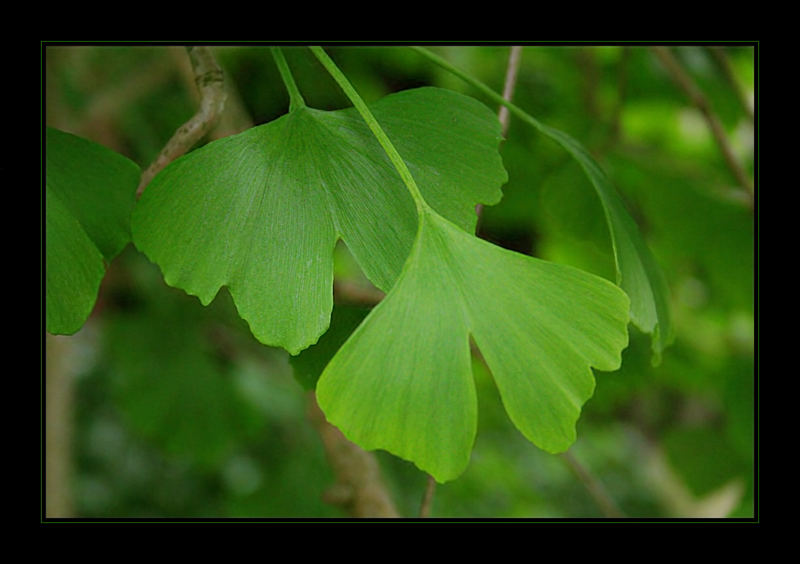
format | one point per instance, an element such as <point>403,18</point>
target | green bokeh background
<point>173,410</point>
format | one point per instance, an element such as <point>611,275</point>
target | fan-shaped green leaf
<point>89,194</point>
<point>638,272</point>
<point>260,212</point>
<point>403,381</point>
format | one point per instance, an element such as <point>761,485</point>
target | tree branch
<point>695,95</point>
<point>721,58</point>
<point>210,84</point>
<point>59,394</point>
<point>514,57</point>
<point>512,69</point>
<point>348,292</point>
<point>427,498</point>
<point>359,487</point>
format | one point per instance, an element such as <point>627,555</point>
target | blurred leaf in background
<point>178,412</point>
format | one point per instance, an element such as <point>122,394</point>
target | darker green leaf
<point>89,194</point>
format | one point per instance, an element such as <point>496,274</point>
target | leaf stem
<point>696,96</point>
<point>296,100</point>
<point>372,123</point>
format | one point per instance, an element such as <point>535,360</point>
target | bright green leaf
<point>403,381</point>
<point>638,273</point>
<point>260,212</point>
<point>89,194</point>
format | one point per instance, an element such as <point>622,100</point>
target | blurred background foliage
<point>162,408</point>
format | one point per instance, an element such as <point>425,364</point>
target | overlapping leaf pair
<point>260,213</point>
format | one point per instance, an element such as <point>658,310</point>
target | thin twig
<point>427,498</point>
<point>724,63</point>
<point>345,291</point>
<point>503,115</point>
<point>685,82</point>
<point>512,69</point>
<point>594,487</point>
<point>210,84</point>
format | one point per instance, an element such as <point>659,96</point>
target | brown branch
<point>427,498</point>
<point>512,68</point>
<point>235,118</point>
<point>695,95</point>
<point>210,84</point>
<point>59,394</point>
<point>354,293</point>
<point>359,487</point>
<point>724,63</point>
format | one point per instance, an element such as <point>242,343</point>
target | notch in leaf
<point>403,380</point>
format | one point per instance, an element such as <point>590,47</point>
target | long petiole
<point>374,126</point>
<point>296,100</point>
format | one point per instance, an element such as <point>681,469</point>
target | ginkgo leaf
<point>261,211</point>
<point>403,381</point>
<point>74,269</point>
<point>637,271</point>
<point>89,195</point>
